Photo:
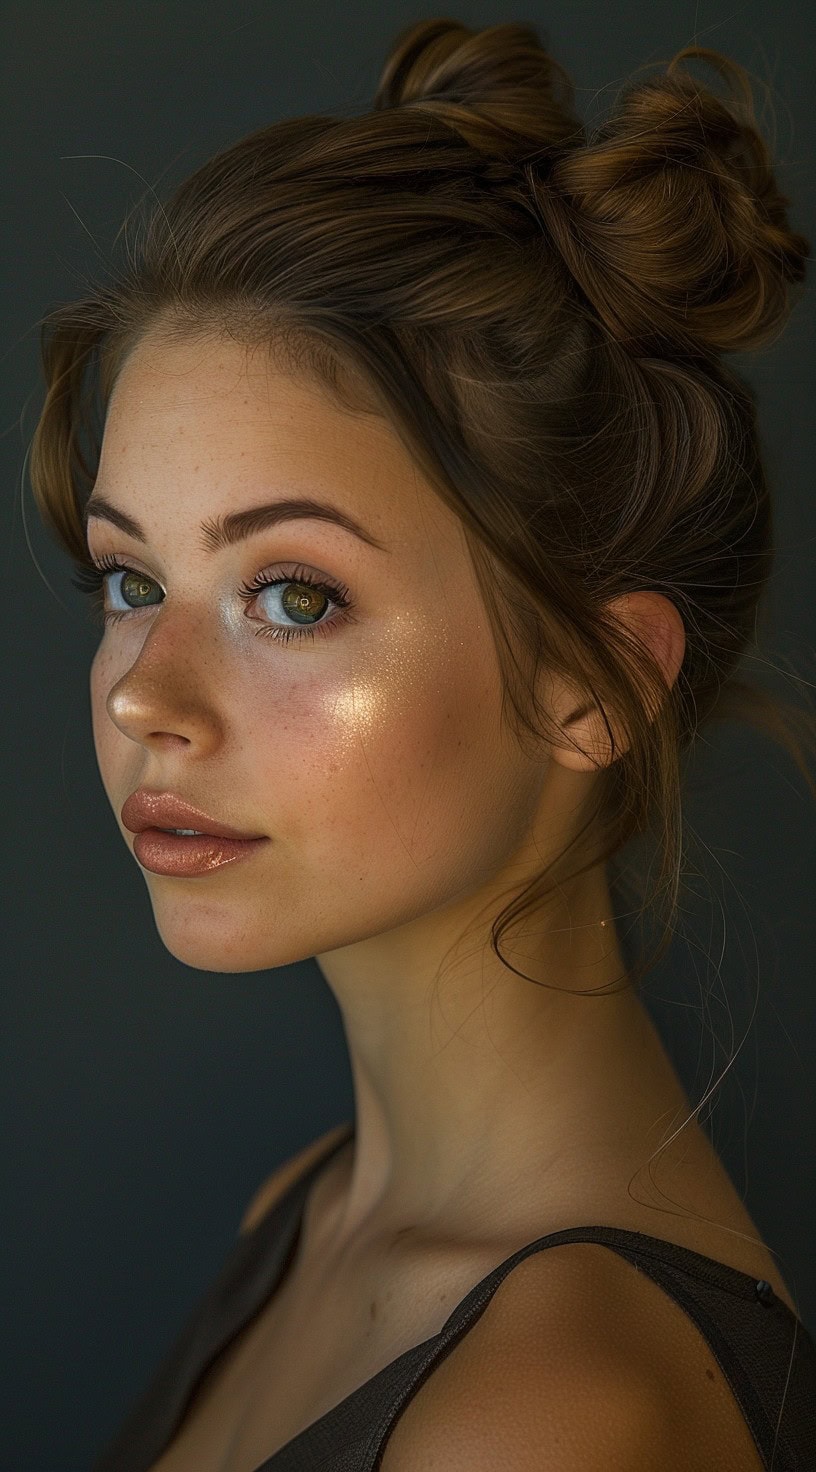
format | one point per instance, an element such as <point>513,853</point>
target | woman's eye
<point>303,599</point>
<point>297,604</point>
<point>136,590</point>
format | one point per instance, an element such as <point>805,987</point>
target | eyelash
<point>91,576</point>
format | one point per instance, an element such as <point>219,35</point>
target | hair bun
<point>671,220</point>
<point>498,88</point>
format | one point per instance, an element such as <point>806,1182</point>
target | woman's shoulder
<point>275,1185</point>
<point>567,1328</point>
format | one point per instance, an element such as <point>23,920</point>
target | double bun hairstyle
<point>543,316</point>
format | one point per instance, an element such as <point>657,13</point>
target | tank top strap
<point>763,1349</point>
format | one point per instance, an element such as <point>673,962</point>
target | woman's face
<point>371,755</point>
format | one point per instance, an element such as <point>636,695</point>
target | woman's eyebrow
<point>223,531</point>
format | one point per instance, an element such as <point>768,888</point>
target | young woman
<point>429,528</point>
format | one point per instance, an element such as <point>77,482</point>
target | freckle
<point>710,1374</point>
<point>373,1310</point>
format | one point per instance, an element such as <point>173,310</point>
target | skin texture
<point>399,808</point>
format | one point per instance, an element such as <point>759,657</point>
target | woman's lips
<point>148,808</point>
<point>167,853</point>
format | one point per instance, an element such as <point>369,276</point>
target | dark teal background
<point>143,1101</point>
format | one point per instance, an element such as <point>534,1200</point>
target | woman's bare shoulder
<point>282,1177</point>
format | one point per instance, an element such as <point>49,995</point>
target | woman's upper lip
<point>147,809</point>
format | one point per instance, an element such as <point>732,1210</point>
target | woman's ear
<point>657,623</point>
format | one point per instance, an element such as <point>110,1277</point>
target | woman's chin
<point>206,940</point>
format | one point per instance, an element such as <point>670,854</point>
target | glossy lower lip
<point>164,853</point>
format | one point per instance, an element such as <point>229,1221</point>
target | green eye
<point>135,585</point>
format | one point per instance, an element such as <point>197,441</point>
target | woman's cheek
<point>382,762</point>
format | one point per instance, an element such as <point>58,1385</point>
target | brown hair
<point>542,317</point>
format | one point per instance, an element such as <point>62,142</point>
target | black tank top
<point>763,1348</point>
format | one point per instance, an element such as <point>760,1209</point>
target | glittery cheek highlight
<point>385,778</point>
